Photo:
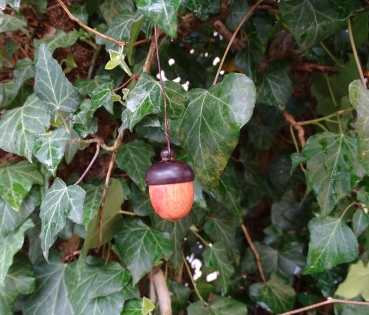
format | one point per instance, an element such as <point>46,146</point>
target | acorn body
<point>171,187</point>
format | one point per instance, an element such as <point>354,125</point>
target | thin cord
<point>166,123</point>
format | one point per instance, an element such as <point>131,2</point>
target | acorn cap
<point>169,171</point>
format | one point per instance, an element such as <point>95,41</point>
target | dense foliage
<point>279,144</point>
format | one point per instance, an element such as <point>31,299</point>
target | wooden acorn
<point>171,187</point>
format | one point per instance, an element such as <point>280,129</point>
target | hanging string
<point>166,123</point>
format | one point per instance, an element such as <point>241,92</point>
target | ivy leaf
<point>120,28</point>
<point>215,257</point>
<point>274,86</point>
<point>110,8</point>
<point>350,309</point>
<point>144,99</point>
<point>224,305</point>
<point>21,126</point>
<point>19,280</point>
<point>202,9</point>
<point>24,70</point>
<point>79,11</point>
<point>222,227</point>
<point>360,222</point>
<point>8,92</point>
<point>101,95</point>
<point>39,5</point>
<point>249,58</point>
<point>228,193</point>
<point>238,10</point>
<point>50,150</point>
<point>11,23</point>
<point>198,308</point>
<point>312,21</point>
<point>134,32</point>
<point>177,231</point>
<point>10,220</point>
<point>275,296</point>
<point>92,202</point>
<point>58,203</point>
<point>87,86</point>
<point>141,246</point>
<point>16,181</point>
<point>331,243</point>
<point>333,169</point>
<point>138,307</point>
<point>84,124</point>
<point>176,99</point>
<point>51,85</point>
<point>163,13</point>
<point>355,283</point>
<point>12,243</point>
<point>59,40</point>
<point>179,295</point>
<point>359,98</point>
<point>51,283</point>
<point>135,158</point>
<point>211,124</point>
<point>141,203</point>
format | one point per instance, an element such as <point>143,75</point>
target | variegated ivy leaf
<point>11,23</point>
<point>49,150</point>
<point>59,202</point>
<point>17,180</point>
<point>22,125</point>
<point>101,95</point>
<point>24,70</point>
<point>51,85</point>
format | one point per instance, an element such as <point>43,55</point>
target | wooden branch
<point>300,130</point>
<point>162,292</point>
<point>328,301</point>
<point>150,58</point>
<point>256,254</point>
<point>91,163</point>
<point>310,67</point>
<point>73,18</point>
<point>227,35</point>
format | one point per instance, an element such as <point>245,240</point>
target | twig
<point>96,140</point>
<point>166,123</point>
<point>117,144</point>
<point>76,252</point>
<point>333,97</point>
<point>73,18</point>
<point>201,239</point>
<point>227,35</point>
<point>152,288</point>
<point>256,254</point>
<point>313,121</point>
<point>247,15</point>
<point>310,67</point>
<point>190,275</point>
<point>300,130</point>
<point>330,55</point>
<point>91,163</point>
<point>93,61</point>
<point>328,301</point>
<point>150,58</point>
<point>355,52</point>
<point>348,207</point>
<point>157,277</point>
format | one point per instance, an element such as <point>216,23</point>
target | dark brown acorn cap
<point>169,171</point>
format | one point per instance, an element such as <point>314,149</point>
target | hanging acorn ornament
<point>171,187</point>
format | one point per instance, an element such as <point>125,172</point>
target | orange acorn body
<point>171,187</point>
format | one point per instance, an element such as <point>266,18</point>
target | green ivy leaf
<point>138,307</point>
<point>135,158</point>
<point>50,150</point>
<point>312,21</point>
<point>19,280</point>
<point>331,243</point>
<point>101,95</point>
<point>333,169</point>
<point>11,23</point>
<point>141,203</point>
<point>87,86</point>
<point>355,283</point>
<point>275,296</point>
<point>222,227</point>
<point>84,124</point>
<point>350,309</point>
<point>360,221</point>
<point>12,243</point>
<point>21,126</point>
<point>110,8</point>
<point>135,31</point>
<point>79,11</point>
<point>51,85</point>
<point>39,5</point>
<point>177,231</point>
<point>59,40</point>
<point>202,9</point>
<point>176,99</point>
<point>359,98</point>
<point>17,180</point>
<point>10,220</point>
<point>248,59</point>
<point>141,246</point>
<point>238,10</point>
<point>211,124</point>
<point>198,308</point>
<point>92,202</point>
<point>144,99</point>
<point>274,87</point>
<point>8,92</point>
<point>59,202</point>
<point>228,192</point>
<point>120,28</point>
<point>226,306</point>
<point>161,12</point>
<point>179,295</point>
<point>24,70</point>
<point>215,257</point>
